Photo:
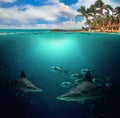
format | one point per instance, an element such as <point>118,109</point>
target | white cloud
<point>28,15</point>
<point>48,12</point>
<point>63,25</point>
<point>7,1</point>
<point>52,1</point>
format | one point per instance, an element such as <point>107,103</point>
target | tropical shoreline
<point>99,17</point>
<point>80,30</point>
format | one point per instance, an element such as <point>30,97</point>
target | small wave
<point>20,33</point>
<point>6,33</point>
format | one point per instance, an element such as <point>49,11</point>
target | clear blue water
<point>34,51</point>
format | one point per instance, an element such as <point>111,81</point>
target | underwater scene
<point>46,74</point>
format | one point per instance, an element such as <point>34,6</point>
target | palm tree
<point>85,13</point>
<point>109,22</point>
<point>99,21</point>
<point>93,12</point>
<point>99,17</point>
<point>89,24</point>
<point>101,6</point>
<point>117,13</point>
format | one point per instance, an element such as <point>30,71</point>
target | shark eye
<point>65,83</point>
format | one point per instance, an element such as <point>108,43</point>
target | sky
<point>44,14</point>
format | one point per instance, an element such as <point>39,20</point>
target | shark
<point>83,92</point>
<point>23,84</point>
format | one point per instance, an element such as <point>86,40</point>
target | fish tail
<point>67,72</point>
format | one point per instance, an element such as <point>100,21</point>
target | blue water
<point>34,51</point>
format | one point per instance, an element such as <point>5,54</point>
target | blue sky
<point>44,13</point>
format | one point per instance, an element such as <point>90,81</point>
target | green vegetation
<point>101,17</point>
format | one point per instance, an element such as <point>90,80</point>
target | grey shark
<point>86,90</point>
<point>24,84</point>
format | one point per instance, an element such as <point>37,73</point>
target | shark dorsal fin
<point>22,75</point>
<point>87,76</point>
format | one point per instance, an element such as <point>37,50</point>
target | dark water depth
<point>35,51</point>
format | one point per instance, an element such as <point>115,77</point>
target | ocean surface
<point>35,51</point>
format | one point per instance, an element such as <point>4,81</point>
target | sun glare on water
<point>57,43</point>
<point>54,47</point>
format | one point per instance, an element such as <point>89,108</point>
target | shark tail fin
<point>67,72</point>
<point>22,75</point>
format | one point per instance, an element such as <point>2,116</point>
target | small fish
<point>83,71</point>
<point>58,70</point>
<point>77,81</point>
<point>109,79</point>
<point>75,76</point>
<point>97,81</point>
<point>109,85</point>
<point>66,84</point>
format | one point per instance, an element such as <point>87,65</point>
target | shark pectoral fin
<point>39,90</point>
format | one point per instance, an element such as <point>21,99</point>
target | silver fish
<point>66,84</point>
<point>58,70</point>
<point>75,76</point>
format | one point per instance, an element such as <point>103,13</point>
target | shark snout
<point>63,97</point>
